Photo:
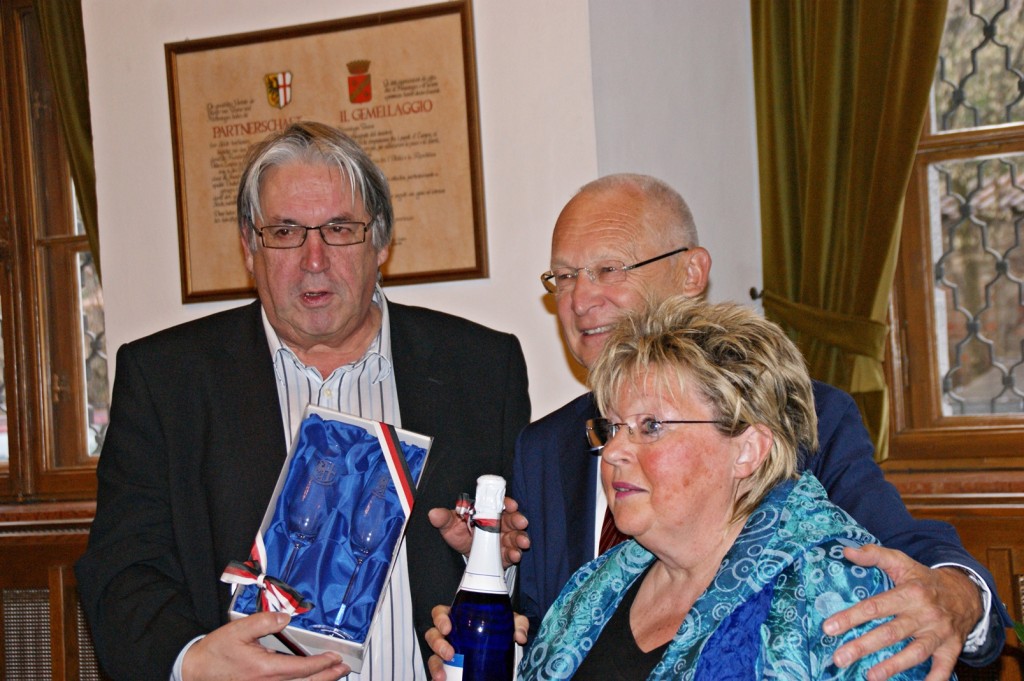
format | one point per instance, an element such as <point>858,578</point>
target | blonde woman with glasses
<point>735,561</point>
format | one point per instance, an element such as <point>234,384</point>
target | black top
<point>616,656</point>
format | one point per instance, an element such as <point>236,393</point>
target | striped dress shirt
<point>364,388</point>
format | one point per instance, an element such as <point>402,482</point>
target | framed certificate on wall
<point>402,84</point>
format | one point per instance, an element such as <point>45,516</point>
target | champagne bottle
<point>482,624</point>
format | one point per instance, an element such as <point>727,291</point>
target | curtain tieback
<point>856,335</point>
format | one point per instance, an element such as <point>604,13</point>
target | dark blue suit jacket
<point>555,479</point>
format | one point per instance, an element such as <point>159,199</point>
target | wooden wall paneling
<point>42,631</point>
<point>991,527</point>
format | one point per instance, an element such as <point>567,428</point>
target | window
<point>956,356</point>
<point>957,367</point>
<point>53,402</point>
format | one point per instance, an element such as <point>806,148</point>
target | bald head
<point>622,222</point>
<point>663,212</point>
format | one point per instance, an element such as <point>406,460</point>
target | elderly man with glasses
<point>622,241</point>
<point>203,415</point>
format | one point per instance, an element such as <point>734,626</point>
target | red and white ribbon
<point>391,446</point>
<point>275,595</point>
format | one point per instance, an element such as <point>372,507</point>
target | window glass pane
<point>980,76</point>
<point>95,353</point>
<point>977,227</point>
<point>79,226</point>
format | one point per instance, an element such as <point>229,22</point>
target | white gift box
<point>323,527</point>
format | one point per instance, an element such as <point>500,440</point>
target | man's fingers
<point>865,556</point>
<point>522,624</point>
<point>254,627</point>
<point>882,636</point>
<point>910,602</point>
<point>442,518</point>
<point>941,601</point>
<point>925,628</point>
<point>510,557</point>
<point>896,564</point>
<point>911,656</point>
<point>333,670</point>
<point>439,615</point>
<point>232,651</point>
<point>522,540</point>
<point>435,665</point>
<point>943,661</point>
<point>512,519</point>
<point>439,644</point>
<point>512,546</point>
<point>515,539</point>
<point>453,529</point>
<point>933,610</point>
<point>878,606</point>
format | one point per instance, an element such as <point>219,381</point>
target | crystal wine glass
<point>368,530</point>
<point>306,512</point>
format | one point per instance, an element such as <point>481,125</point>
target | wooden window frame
<point>922,438</point>
<point>39,287</point>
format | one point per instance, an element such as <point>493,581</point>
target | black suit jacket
<point>195,445</point>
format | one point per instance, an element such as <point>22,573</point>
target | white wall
<point>537,103</point>
<point>674,98</point>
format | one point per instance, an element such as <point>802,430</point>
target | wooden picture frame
<point>402,84</point>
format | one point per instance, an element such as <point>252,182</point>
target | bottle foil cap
<point>490,496</point>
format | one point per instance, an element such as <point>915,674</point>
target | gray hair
<point>664,202</point>
<point>316,143</point>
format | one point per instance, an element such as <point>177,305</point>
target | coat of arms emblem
<point>279,88</point>
<point>360,88</point>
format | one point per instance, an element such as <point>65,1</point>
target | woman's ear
<point>755,443</point>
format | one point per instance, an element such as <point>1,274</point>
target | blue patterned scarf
<point>722,636</point>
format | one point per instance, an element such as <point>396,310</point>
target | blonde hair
<point>742,365</point>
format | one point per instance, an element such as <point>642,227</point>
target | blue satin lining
<point>321,570</point>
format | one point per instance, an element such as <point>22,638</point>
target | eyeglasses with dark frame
<point>563,279</point>
<point>334,233</point>
<point>647,429</point>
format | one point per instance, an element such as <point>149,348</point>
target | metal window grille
<point>977,212</point>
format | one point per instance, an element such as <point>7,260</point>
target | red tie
<point>610,535</point>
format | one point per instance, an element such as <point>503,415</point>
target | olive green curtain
<point>841,90</point>
<point>60,23</point>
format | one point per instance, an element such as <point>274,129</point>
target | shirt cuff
<point>976,639</point>
<point>176,671</point>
